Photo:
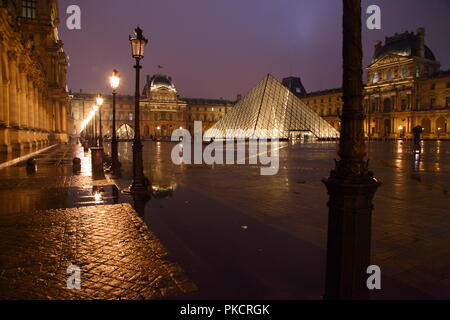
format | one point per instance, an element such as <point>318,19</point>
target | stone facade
<point>162,110</point>
<point>405,88</point>
<point>33,65</point>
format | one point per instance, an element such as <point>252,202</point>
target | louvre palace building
<point>162,110</point>
<point>33,64</point>
<point>405,88</point>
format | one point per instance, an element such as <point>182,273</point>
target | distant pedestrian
<point>417,131</point>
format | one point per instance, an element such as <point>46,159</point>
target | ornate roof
<point>161,80</point>
<point>405,44</point>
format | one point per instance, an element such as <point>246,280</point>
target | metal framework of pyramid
<point>271,107</point>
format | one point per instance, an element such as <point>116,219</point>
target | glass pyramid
<point>271,109</point>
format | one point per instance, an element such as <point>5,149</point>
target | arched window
<point>426,125</point>
<point>441,125</point>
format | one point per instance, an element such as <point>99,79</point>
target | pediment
<point>389,59</point>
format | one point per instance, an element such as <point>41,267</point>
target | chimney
<point>420,33</point>
<point>239,97</point>
<point>377,46</point>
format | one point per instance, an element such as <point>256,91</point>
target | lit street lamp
<point>140,183</point>
<point>114,81</point>
<point>99,104</point>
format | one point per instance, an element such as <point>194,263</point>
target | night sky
<point>219,48</point>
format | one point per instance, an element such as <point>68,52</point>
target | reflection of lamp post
<point>99,101</point>
<point>114,81</point>
<point>140,183</point>
<point>351,186</point>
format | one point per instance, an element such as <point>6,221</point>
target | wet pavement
<point>54,219</point>
<point>242,235</point>
<point>238,234</point>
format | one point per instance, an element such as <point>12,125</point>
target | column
<point>46,102</point>
<point>58,116</point>
<point>53,115</point>
<point>13,88</point>
<point>41,110</point>
<point>64,117</point>
<point>24,102</point>
<point>2,82</point>
<point>36,106</point>
<point>30,102</point>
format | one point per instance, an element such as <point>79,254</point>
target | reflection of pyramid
<point>270,106</point>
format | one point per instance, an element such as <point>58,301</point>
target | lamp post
<point>140,183</point>
<point>351,186</point>
<point>99,101</point>
<point>95,109</point>
<point>114,81</point>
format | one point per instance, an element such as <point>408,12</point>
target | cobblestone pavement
<point>118,256</point>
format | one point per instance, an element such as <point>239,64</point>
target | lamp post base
<point>140,184</point>
<point>349,236</point>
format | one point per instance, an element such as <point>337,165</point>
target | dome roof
<point>160,80</point>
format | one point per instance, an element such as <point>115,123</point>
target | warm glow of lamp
<point>95,108</point>
<point>439,129</point>
<point>114,80</point>
<point>158,128</point>
<point>99,100</point>
<point>138,43</point>
<point>400,128</point>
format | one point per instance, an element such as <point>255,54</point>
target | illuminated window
<point>375,77</point>
<point>29,9</point>
<point>404,72</point>
<point>389,75</point>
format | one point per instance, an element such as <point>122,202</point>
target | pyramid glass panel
<point>271,110</point>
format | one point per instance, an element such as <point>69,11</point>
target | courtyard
<point>264,237</point>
